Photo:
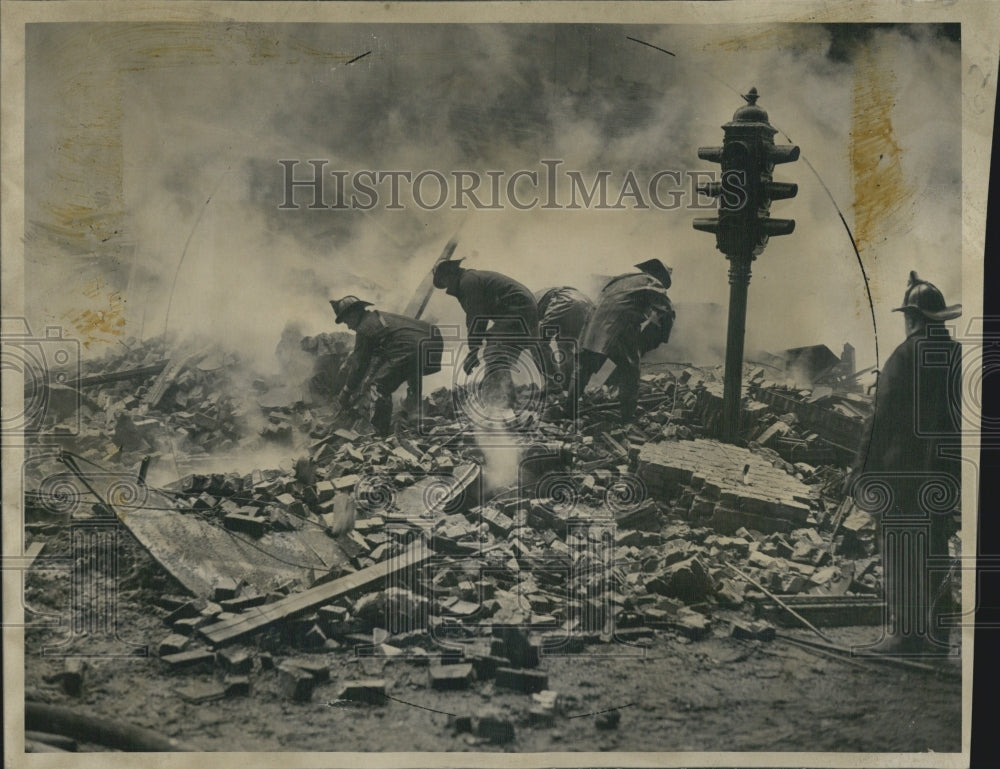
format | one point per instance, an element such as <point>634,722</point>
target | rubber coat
<point>489,296</point>
<point>565,309</point>
<point>389,346</point>
<point>625,303</point>
<point>917,415</point>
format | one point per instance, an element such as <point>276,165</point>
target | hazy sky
<point>132,128</point>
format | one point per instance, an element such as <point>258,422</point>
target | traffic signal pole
<point>748,156</point>
<point>739,282</point>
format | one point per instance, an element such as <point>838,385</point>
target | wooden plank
<point>170,371</point>
<point>34,550</point>
<point>843,510</point>
<point>827,611</point>
<point>423,293</point>
<point>119,376</point>
<point>226,632</point>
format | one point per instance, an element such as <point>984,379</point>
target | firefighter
<point>908,455</point>
<point>389,350</point>
<point>501,319</point>
<point>565,311</point>
<point>632,309</point>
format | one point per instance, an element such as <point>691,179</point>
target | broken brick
<point>522,649</point>
<point>547,699</point>
<point>493,726</point>
<point>242,603</point>
<point>692,625</point>
<point>255,527</point>
<point>195,659</point>
<point>72,676</point>
<point>314,637</point>
<point>225,589</point>
<point>757,630</point>
<point>687,580</point>
<point>524,681</point>
<point>185,611</point>
<point>236,661</point>
<point>296,684</point>
<point>486,666</point>
<point>172,644</point>
<point>188,626</point>
<point>237,686</point>
<point>460,724</point>
<point>320,671</point>
<point>450,677</point>
<point>367,691</point>
<point>346,483</point>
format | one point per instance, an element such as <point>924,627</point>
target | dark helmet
<point>344,307</point>
<point>543,297</point>
<point>444,270</point>
<point>657,269</point>
<point>927,299</point>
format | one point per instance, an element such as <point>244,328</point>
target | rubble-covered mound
<point>476,554</point>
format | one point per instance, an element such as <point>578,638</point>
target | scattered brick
<point>237,686</point>
<point>173,643</point>
<point>296,684</point>
<point>320,671</point>
<point>74,669</point>
<point>450,677</point>
<point>242,603</point>
<point>366,692</point>
<point>692,625</point>
<point>235,661</point>
<point>495,727</point>
<point>524,681</point>
<point>189,660</point>
<point>753,631</point>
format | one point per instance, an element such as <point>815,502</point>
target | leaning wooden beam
<point>163,381</point>
<point>226,632</point>
<point>169,374</point>
<point>423,293</point>
<point>119,376</point>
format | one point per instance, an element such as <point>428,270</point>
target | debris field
<point>483,573</point>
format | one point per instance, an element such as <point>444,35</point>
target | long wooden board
<point>422,295</point>
<point>119,376</point>
<point>251,621</point>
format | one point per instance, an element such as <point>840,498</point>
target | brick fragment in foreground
<point>222,633</point>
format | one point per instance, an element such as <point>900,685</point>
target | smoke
<point>170,190</point>
<point>501,459</point>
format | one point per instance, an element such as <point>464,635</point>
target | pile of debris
<point>407,548</point>
<point>604,541</point>
<point>190,400</point>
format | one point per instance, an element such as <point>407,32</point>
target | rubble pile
<point>607,534</point>
<point>188,400</point>
<point>615,541</point>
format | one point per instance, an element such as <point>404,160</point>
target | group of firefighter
<point>566,336</point>
<point>911,445</point>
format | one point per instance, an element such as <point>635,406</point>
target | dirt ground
<point>716,694</point>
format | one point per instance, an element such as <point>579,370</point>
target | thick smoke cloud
<point>168,138</point>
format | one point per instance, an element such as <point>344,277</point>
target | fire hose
<point>57,719</point>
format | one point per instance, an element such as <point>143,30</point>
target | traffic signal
<point>735,227</point>
<point>748,155</point>
<point>773,155</point>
